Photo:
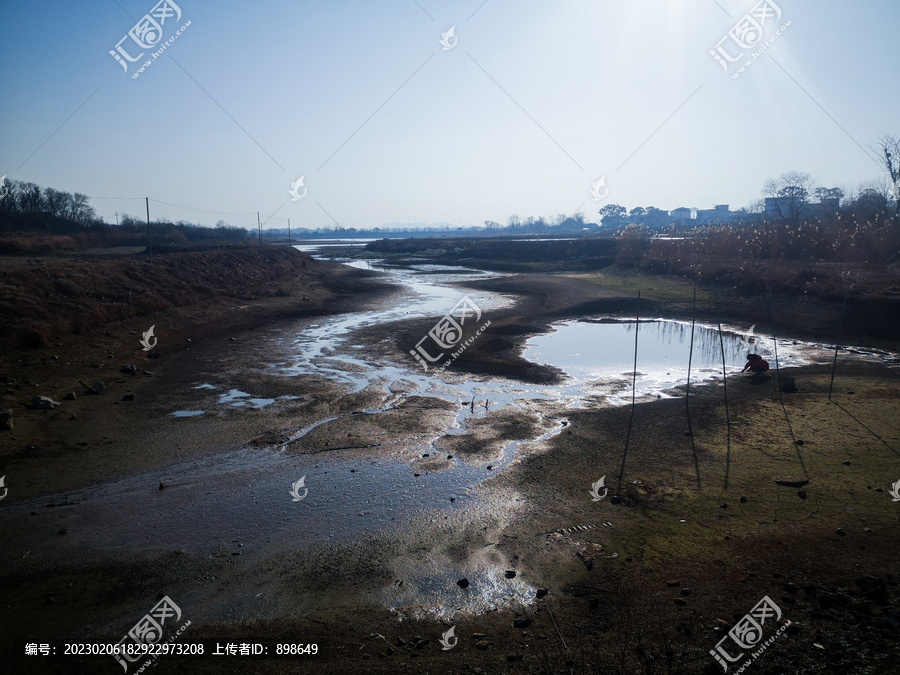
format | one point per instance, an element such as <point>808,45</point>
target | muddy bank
<point>556,580</point>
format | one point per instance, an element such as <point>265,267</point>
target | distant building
<point>681,214</point>
<point>719,214</point>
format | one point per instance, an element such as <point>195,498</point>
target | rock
<point>686,433</point>
<point>743,500</point>
<point>541,592</point>
<point>231,339</point>
<point>98,387</point>
<point>73,417</point>
<point>63,531</point>
<point>847,462</point>
<point>799,443</point>
<point>615,499</point>
<point>6,420</point>
<point>685,591</point>
<point>514,658</point>
<point>482,644</point>
<point>674,583</point>
<point>681,602</point>
<point>479,636</point>
<point>510,574</point>
<point>162,486</point>
<point>128,397</point>
<point>789,386</point>
<point>128,369</point>
<point>521,622</point>
<point>490,466</point>
<point>70,396</point>
<point>850,391</point>
<point>791,482</point>
<point>463,583</point>
<point>449,456</point>
<point>801,494</point>
<point>43,403</point>
<point>723,506</point>
<point>840,532</point>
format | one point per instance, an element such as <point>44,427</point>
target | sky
<point>521,110</point>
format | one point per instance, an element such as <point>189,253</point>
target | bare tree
<point>789,195</point>
<point>888,148</point>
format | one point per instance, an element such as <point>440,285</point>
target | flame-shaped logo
<point>4,190</point>
<point>5,490</point>
<point>296,186</point>
<point>295,489</point>
<point>449,39</point>
<point>145,341</point>
<point>895,491</point>
<point>599,186</point>
<point>595,490</point>
<point>447,637</point>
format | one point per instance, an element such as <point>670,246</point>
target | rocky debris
<point>521,622</point>
<point>6,420</point>
<point>840,532</point>
<point>789,386</point>
<point>791,482</point>
<point>463,583</point>
<point>162,486</point>
<point>128,397</point>
<point>96,389</point>
<point>128,369</point>
<point>615,499</point>
<point>681,602</point>
<point>482,644</point>
<point>541,592</point>
<point>673,583</point>
<point>43,403</point>
<point>70,396</point>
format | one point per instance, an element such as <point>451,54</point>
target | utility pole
<point>259,227</point>
<point>149,233</point>
<point>289,231</point>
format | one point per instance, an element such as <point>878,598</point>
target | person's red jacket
<point>759,366</point>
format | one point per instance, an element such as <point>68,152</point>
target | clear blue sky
<point>534,103</point>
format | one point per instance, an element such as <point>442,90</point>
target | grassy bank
<point>44,301</point>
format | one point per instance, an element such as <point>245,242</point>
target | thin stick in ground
<point>725,385</point>
<point>780,392</point>
<point>837,344</point>
<point>687,393</point>
<point>637,326</point>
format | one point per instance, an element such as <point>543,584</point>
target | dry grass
<point>45,300</point>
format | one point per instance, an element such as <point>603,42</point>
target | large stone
<point>43,403</point>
